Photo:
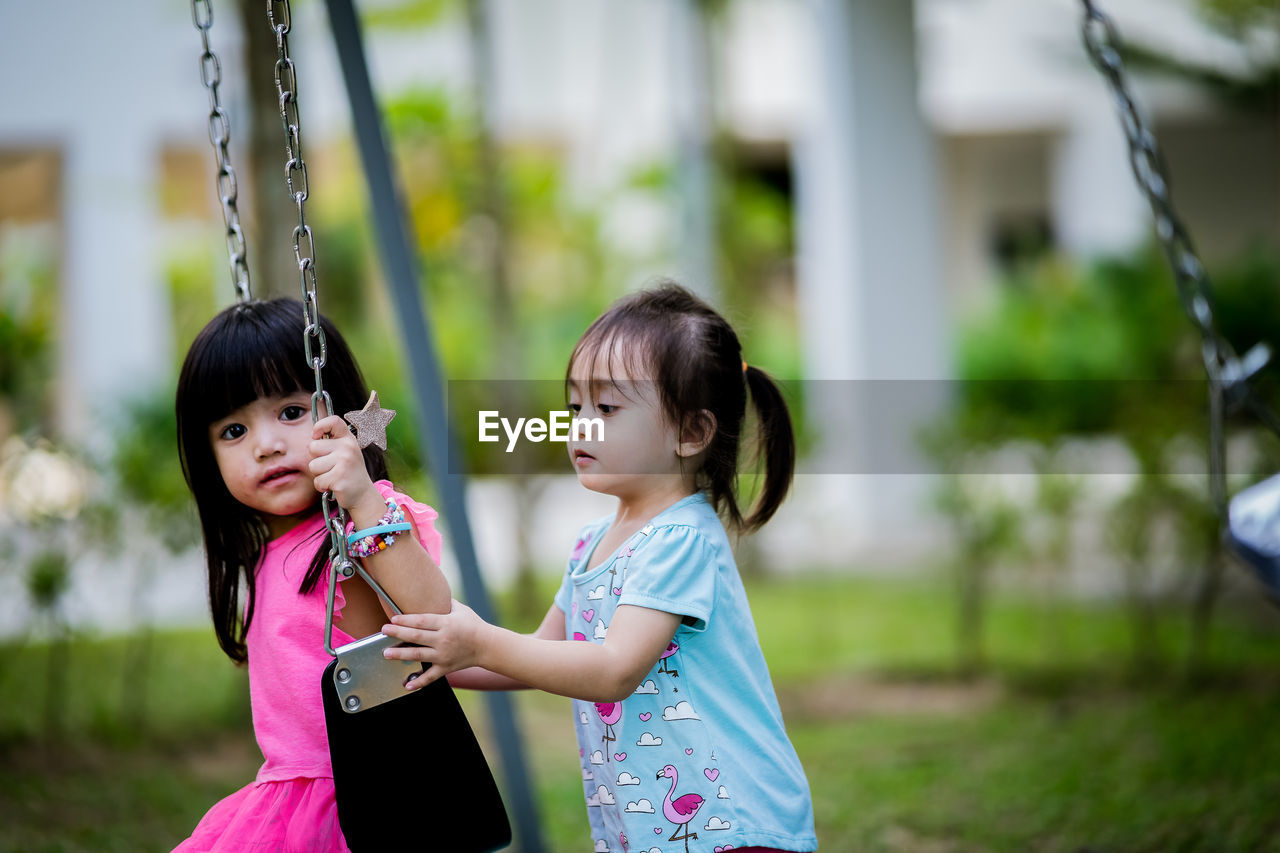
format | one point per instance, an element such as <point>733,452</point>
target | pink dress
<point>290,806</point>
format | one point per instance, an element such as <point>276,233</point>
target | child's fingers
<point>323,448</point>
<point>426,621</point>
<point>425,654</point>
<point>321,463</point>
<point>331,426</point>
<point>320,469</point>
<point>420,639</point>
<point>418,682</point>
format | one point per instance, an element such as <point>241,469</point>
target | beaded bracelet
<point>371,540</point>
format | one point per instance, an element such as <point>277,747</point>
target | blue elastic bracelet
<point>353,538</point>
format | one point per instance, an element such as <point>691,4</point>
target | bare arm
<point>607,672</point>
<point>477,678</point>
<point>405,570</point>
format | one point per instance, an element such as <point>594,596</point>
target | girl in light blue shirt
<point>681,739</point>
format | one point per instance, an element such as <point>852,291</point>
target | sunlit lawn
<point>1062,747</point>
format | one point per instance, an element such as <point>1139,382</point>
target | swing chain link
<point>220,137</point>
<point>279,18</point>
<point>1228,373</point>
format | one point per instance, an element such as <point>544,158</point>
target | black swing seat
<point>1253,531</point>
<point>410,775</point>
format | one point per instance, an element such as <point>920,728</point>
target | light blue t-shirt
<point>699,747</point>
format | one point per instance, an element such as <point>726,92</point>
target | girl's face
<point>637,441</point>
<point>263,456</point>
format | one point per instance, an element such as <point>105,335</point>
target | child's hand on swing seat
<point>337,466</point>
<point>448,641</point>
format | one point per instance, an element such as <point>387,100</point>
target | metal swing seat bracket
<point>362,677</point>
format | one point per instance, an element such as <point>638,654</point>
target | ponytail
<point>777,446</point>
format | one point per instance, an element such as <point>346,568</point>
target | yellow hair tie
<point>744,367</point>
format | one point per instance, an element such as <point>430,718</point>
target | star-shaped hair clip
<point>370,423</point>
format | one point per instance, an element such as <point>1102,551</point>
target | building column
<point>872,301</point>
<point>1097,208</point>
<point>113,341</point>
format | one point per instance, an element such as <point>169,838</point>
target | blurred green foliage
<point>1241,14</point>
<point>1102,351</point>
<point>1106,349</point>
<point>148,472</point>
<point>48,576</point>
<point>28,310</point>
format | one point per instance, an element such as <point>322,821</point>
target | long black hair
<point>248,351</point>
<point>696,361</point>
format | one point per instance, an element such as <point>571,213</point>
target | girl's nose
<point>270,443</point>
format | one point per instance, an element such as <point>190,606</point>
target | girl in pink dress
<point>256,465</point>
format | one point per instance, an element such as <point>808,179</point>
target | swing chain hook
<point>220,138</point>
<point>1228,373</point>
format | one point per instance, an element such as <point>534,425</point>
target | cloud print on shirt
<point>716,823</point>
<point>681,711</point>
<point>647,739</point>
<point>626,778</point>
<point>596,594</point>
<point>642,807</point>
<point>647,689</point>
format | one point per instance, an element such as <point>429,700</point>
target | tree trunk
<point>493,214</point>
<point>971,575</point>
<point>57,664</point>
<point>272,214</point>
<point>1145,649</point>
<point>1202,606</point>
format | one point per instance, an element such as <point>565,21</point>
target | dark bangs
<point>245,353</point>
<point>619,342</point>
<point>240,360</point>
<point>652,334</point>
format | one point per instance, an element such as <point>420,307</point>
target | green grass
<point>1060,747</point>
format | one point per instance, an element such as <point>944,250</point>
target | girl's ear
<point>698,431</point>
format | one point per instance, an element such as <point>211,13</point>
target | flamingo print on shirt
<point>610,713</point>
<point>680,811</point>
<point>659,727</point>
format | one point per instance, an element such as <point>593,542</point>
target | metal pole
<point>401,266</point>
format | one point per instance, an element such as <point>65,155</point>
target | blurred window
<point>30,240</point>
<point>1019,238</point>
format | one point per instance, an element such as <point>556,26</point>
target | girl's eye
<point>230,432</point>
<point>606,408</point>
<point>292,413</point>
<point>575,407</point>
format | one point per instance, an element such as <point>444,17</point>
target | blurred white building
<point>923,144</point>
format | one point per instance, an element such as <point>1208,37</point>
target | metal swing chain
<point>220,137</point>
<point>304,252</point>
<point>295,174</point>
<point>1227,372</point>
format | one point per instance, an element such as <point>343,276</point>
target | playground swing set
<point>369,715</point>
